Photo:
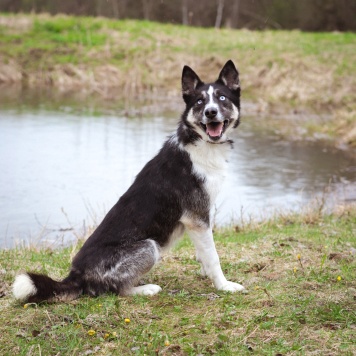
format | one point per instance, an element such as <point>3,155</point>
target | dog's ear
<point>229,76</point>
<point>190,81</point>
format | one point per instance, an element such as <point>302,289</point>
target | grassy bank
<point>96,55</point>
<point>299,270</point>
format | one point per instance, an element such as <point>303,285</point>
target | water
<point>61,172</point>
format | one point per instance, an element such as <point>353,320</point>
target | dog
<point>173,193</point>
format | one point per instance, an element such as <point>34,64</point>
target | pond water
<point>60,172</point>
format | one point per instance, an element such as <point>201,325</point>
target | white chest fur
<point>210,163</point>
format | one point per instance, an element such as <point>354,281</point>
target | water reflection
<point>60,170</point>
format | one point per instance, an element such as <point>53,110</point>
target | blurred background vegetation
<point>307,15</point>
<point>292,54</point>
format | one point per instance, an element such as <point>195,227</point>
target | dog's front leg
<point>206,254</point>
<point>202,270</point>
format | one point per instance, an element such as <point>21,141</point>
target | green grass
<point>299,270</point>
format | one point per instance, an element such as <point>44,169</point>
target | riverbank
<point>299,270</point>
<point>281,71</point>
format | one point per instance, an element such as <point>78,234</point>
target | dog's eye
<point>222,98</point>
<point>199,102</point>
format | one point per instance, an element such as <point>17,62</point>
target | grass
<point>95,55</point>
<point>299,269</point>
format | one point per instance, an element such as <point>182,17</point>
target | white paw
<point>147,289</point>
<point>232,287</point>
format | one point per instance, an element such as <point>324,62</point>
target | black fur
<point>150,209</point>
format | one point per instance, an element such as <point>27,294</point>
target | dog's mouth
<point>215,129</point>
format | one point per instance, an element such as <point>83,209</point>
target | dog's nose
<point>210,113</point>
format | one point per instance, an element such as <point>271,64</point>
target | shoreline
<point>304,72</point>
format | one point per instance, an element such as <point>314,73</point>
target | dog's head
<point>212,109</point>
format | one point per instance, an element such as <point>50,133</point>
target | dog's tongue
<point>214,129</point>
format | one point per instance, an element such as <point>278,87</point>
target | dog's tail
<point>35,288</point>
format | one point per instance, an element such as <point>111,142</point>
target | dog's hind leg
<point>144,260</point>
<point>120,269</point>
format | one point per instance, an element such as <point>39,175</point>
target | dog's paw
<point>147,289</point>
<point>232,287</point>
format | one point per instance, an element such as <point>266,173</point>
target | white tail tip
<point>23,287</point>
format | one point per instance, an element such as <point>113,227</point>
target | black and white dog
<point>173,193</point>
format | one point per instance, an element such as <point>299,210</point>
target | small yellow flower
<point>114,333</point>
<point>257,287</point>
<point>295,269</point>
<point>299,256</point>
<point>167,343</point>
<point>91,332</point>
<point>339,278</point>
<point>106,335</point>
<point>25,306</point>
<point>100,305</point>
<point>127,320</point>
